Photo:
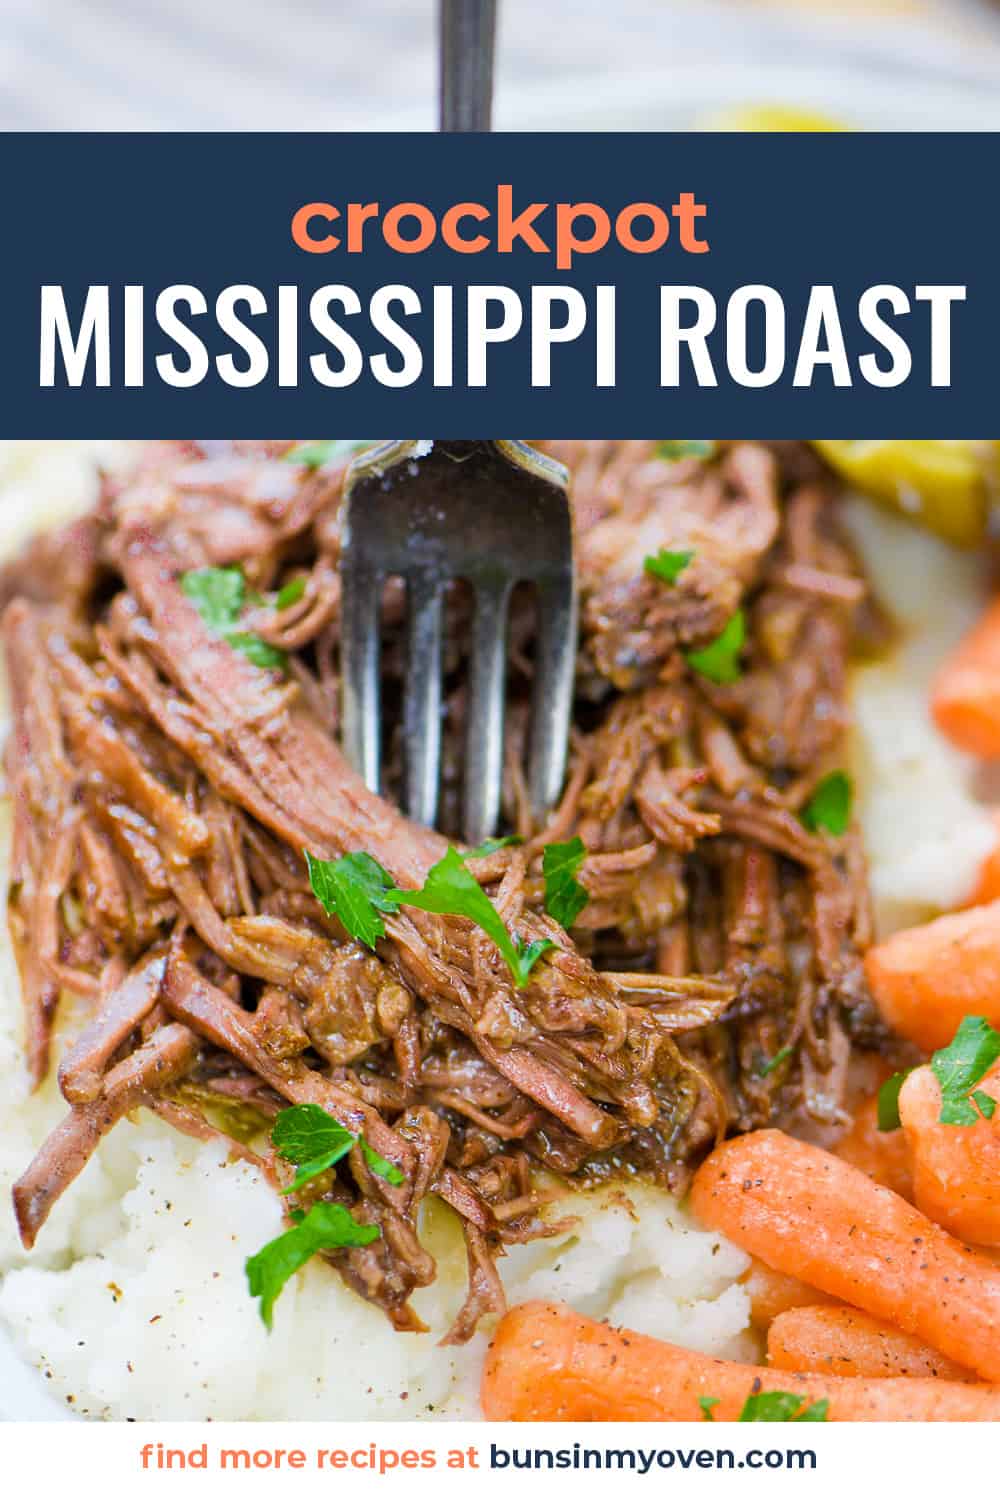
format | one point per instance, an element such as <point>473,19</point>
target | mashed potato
<point>925,832</point>
<point>134,1303</point>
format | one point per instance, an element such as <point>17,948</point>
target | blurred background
<point>561,64</point>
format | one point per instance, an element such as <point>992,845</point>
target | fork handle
<point>468,29</point>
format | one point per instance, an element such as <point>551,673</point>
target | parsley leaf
<point>666,565</point>
<point>327,1226</point>
<point>719,661</point>
<point>565,897</point>
<point>379,1165</point>
<point>318,455</point>
<point>450,890</point>
<point>254,649</point>
<point>987,1104</point>
<point>781,1406</point>
<point>291,593</point>
<point>306,1135</point>
<point>354,888</point>
<point>779,1057</point>
<point>829,806</point>
<point>960,1066</point>
<point>675,448</point>
<point>888,1101</point>
<point>219,594</point>
<point>706,1403</point>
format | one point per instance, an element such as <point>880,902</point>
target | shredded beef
<point>165,788</point>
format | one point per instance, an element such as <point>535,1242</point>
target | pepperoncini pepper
<point>948,486</point>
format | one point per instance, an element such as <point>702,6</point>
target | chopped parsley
<point>768,1067</point>
<point>829,807</point>
<point>306,1135</point>
<point>450,890</point>
<point>565,897</point>
<point>888,1101</point>
<point>327,1226</point>
<point>770,1406</point>
<point>318,455</point>
<point>719,661</point>
<point>781,1406</point>
<point>666,565</point>
<point>356,889</point>
<point>960,1066</point>
<point>219,595</point>
<point>674,448</point>
<point>291,593</point>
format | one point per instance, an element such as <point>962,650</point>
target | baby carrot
<point>843,1341</point>
<point>926,979</point>
<point>881,1154</point>
<point>808,1213</point>
<point>956,1168</point>
<point>550,1364</point>
<point>965,698</point>
<point>772,1293</point>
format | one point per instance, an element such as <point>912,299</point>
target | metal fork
<point>493,513</point>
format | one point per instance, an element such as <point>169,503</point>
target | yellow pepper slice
<point>945,485</point>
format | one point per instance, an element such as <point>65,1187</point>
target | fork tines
<point>493,513</point>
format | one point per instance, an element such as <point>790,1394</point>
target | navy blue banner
<point>577,285</point>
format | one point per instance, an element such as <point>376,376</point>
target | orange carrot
<point>956,1168</point>
<point>881,1154</point>
<point>988,881</point>
<point>772,1293</point>
<point>550,1364</point>
<point>965,698</point>
<point>843,1341</point>
<point>926,979</point>
<point>811,1215</point>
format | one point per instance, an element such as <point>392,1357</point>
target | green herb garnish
<point>219,595</point>
<point>290,593</point>
<point>770,1406</point>
<point>960,1066</point>
<point>306,1135</point>
<point>781,1406</point>
<point>674,448</point>
<point>318,455</point>
<point>888,1101</point>
<point>355,888</point>
<point>260,652</point>
<point>774,1062</point>
<point>327,1226</point>
<point>719,661</point>
<point>666,565</point>
<point>829,806</point>
<point>565,897</point>
<point>450,890</point>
